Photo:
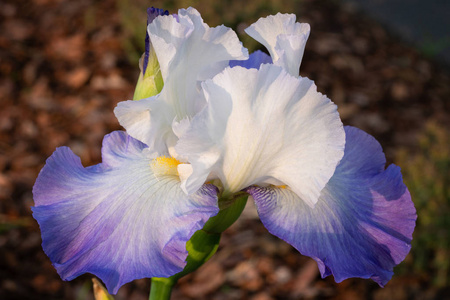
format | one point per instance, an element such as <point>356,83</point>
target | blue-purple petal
<point>116,220</point>
<point>362,224</point>
<point>255,60</point>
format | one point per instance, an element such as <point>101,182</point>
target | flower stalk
<point>202,246</point>
<point>161,288</point>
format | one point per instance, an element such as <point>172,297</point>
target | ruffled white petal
<point>146,120</point>
<point>264,127</point>
<point>188,52</point>
<point>284,39</point>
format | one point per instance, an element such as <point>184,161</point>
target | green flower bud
<point>151,82</point>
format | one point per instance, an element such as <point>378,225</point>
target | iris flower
<point>224,124</point>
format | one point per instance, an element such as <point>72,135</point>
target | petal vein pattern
<point>362,224</point>
<point>188,52</point>
<point>118,220</point>
<point>264,127</point>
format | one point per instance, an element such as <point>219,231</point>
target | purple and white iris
<point>225,123</point>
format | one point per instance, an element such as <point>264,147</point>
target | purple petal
<point>254,61</point>
<point>363,222</point>
<point>117,220</point>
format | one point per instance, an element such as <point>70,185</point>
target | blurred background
<point>65,64</point>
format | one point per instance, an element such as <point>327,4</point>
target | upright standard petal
<point>121,220</point>
<point>284,38</point>
<point>188,52</point>
<point>264,127</point>
<point>362,224</point>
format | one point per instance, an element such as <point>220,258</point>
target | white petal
<point>146,120</point>
<point>188,52</point>
<point>284,38</point>
<point>265,127</point>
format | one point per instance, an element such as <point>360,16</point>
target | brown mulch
<point>63,70</point>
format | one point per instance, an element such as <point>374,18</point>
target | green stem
<point>228,215</point>
<point>202,245</point>
<point>161,288</point>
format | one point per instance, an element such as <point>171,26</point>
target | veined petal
<point>363,222</point>
<point>255,60</point>
<point>284,38</point>
<point>264,127</point>
<point>121,220</point>
<point>188,52</point>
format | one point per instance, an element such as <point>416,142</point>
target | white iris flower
<point>224,124</point>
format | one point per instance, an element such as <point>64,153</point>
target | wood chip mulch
<point>63,70</point>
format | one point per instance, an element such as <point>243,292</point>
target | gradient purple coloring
<point>363,223</point>
<point>116,220</point>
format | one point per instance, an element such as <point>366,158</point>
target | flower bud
<point>150,80</point>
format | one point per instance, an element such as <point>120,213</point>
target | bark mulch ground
<point>63,70</point>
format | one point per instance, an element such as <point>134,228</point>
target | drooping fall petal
<point>123,219</point>
<point>363,222</point>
